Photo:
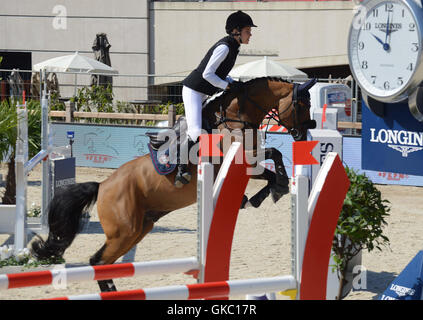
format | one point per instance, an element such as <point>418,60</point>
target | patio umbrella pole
<point>41,83</point>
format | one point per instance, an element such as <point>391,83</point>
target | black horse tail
<point>64,219</point>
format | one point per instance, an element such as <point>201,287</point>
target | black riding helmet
<point>238,20</point>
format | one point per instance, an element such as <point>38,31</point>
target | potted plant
<point>360,226</point>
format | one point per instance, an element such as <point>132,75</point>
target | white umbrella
<point>74,63</point>
<point>266,68</point>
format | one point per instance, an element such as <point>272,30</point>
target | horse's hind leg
<point>112,250</point>
<point>96,259</point>
<point>120,239</point>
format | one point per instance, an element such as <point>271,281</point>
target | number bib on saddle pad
<point>166,141</point>
<point>161,161</point>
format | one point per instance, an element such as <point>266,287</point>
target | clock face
<point>384,49</point>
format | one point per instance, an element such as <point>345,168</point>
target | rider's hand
<point>236,86</point>
<point>229,79</point>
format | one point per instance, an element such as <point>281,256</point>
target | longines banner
<point>393,143</point>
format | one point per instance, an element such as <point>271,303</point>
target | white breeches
<point>193,102</point>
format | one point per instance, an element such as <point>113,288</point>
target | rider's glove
<point>236,86</point>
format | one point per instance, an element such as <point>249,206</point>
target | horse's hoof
<point>107,286</point>
<point>245,203</point>
<point>255,202</point>
<point>181,181</point>
<point>178,184</point>
<point>187,176</point>
<point>278,192</point>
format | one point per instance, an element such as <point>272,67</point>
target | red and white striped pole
<point>101,272</point>
<point>195,291</point>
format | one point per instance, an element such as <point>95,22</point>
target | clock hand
<point>378,39</point>
<point>386,46</point>
<point>387,30</point>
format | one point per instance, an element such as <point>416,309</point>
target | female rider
<point>210,76</point>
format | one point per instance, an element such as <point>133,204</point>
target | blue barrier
<point>408,285</point>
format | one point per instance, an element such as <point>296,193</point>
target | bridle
<point>294,131</point>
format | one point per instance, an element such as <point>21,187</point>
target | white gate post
<point>21,158</point>
<point>46,177</point>
<point>205,211</point>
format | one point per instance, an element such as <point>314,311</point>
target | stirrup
<point>182,176</point>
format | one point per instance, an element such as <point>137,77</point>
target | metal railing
<point>134,99</point>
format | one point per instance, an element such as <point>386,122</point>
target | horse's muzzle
<point>310,124</point>
<point>300,133</point>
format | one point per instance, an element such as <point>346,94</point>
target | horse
<point>135,196</point>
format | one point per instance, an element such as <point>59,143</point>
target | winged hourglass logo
<point>403,141</point>
<point>404,149</point>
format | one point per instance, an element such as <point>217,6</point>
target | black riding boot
<point>183,175</point>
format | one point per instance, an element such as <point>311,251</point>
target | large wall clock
<point>385,53</point>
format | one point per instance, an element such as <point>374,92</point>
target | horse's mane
<point>277,79</point>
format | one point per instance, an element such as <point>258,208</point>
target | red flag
<point>324,114</point>
<point>301,152</point>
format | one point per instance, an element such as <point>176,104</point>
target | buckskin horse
<point>131,200</point>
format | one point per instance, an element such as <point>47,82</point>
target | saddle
<point>164,146</point>
<point>157,139</point>
<point>165,157</point>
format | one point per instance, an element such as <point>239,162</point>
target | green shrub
<point>361,222</point>
<point>94,99</point>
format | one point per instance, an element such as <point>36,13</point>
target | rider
<point>210,76</point>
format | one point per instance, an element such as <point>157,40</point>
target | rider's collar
<point>233,42</point>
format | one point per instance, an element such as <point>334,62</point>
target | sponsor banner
<point>352,159</point>
<point>329,141</point>
<point>103,146</point>
<point>63,173</point>
<point>408,285</point>
<point>393,143</point>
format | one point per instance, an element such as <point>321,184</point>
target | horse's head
<point>294,110</point>
<point>246,109</point>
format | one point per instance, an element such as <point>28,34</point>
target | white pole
<point>205,211</point>
<point>45,182</point>
<point>21,158</point>
<point>299,230</point>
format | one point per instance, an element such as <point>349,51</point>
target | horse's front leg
<point>277,183</point>
<point>256,200</point>
<point>280,187</point>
